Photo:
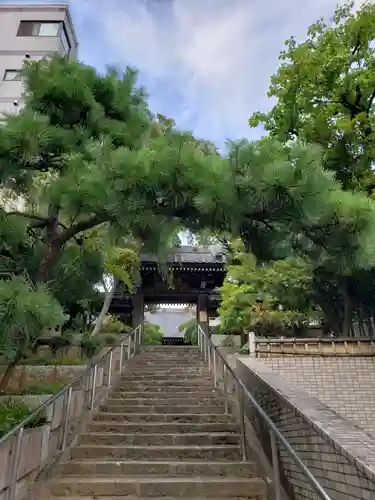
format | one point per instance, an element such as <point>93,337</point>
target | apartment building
<point>30,32</point>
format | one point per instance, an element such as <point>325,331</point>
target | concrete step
<point>252,488</point>
<point>169,358</point>
<point>172,381</point>
<point>168,361</point>
<point>162,389</point>
<point>161,418</point>
<point>218,452</point>
<point>162,400</point>
<point>172,365</point>
<point>140,439</point>
<point>131,497</point>
<point>190,396</point>
<point>161,376</point>
<point>167,468</point>
<point>167,366</point>
<point>165,350</point>
<point>141,372</point>
<point>162,409</point>
<point>163,428</point>
<point>165,386</point>
<point>165,377</point>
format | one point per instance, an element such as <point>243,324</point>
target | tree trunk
<point>8,373</point>
<point>348,308</point>
<point>107,302</point>
<point>49,259</point>
<point>57,240</point>
<point>331,317</point>
<point>369,326</point>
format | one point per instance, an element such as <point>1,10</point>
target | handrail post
<point>242,422</point>
<point>209,355</point>
<point>252,344</point>
<point>110,362</point>
<point>139,338</point>
<point>129,346</point>
<point>214,366</point>
<point>15,465</point>
<point>198,336</point>
<point>68,401</point>
<point>275,466</point>
<point>121,356</point>
<point>136,340</point>
<point>93,388</point>
<point>225,387</point>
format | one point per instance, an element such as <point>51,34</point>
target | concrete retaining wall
<point>25,376</point>
<point>341,457</point>
<point>41,446</point>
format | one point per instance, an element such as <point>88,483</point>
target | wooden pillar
<point>202,312</point>
<point>138,313</point>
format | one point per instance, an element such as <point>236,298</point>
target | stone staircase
<point>161,433</point>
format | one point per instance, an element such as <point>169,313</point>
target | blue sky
<point>205,63</point>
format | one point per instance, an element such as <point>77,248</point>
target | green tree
<point>189,329</point>
<point>73,282</point>
<point>153,334</point>
<point>324,91</point>
<point>25,311</point>
<point>268,299</point>
<point>282,197</point>
<point>86,153</point>
<point>88,136</point>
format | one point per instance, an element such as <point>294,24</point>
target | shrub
<point>37,389</point>
<point>217,330</point>
<point>113,325</point>
<point>56,343</point>
<point>90,345</point>
<point>46,361</point>
<point>43,388</point>
<point>12,413</point>
<point>152,334</point>
<point>110,339</point>
<point>25,311</point>
<point>189,328</point>
<point>245,349</point>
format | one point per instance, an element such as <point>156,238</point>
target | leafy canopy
<point>25,311</point>
<point>324,90</point>
<point>267,298</point>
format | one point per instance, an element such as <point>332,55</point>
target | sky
<point>205,63</point>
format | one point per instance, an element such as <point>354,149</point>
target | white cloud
<point>218,54</point>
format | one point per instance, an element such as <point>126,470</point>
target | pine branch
<point>81,226</point>
<point>30,216</point>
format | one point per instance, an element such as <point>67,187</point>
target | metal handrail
<point>206,346</point>
<point>66,394</point>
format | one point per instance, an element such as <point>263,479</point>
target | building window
<point>12,75</point>
<point>36,28</point>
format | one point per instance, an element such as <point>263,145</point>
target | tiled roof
<point>192,255</point>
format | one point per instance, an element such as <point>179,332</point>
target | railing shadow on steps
<point>277,443</point>
<point>29,452</point>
